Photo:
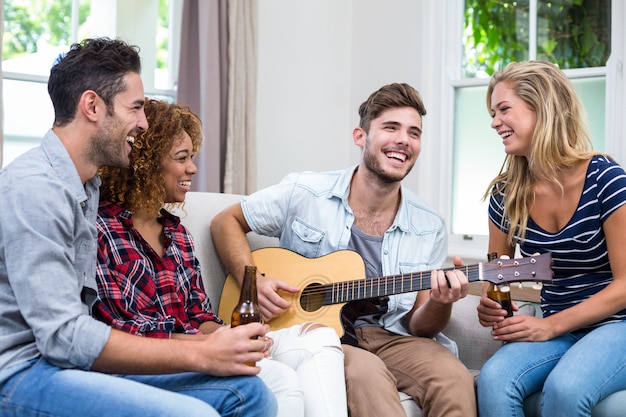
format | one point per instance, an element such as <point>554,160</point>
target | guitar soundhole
<point>312,298</point>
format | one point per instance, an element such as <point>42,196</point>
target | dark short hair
<point>388,97</point>
<point>97,64</point>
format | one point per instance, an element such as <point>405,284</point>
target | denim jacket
<point>309,213</point>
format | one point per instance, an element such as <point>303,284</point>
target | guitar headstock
<point>536,268</point>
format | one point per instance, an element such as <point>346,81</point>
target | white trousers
<point>305,372</point>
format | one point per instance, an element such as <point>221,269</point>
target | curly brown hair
<point>140,185</point>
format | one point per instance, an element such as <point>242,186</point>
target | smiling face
<point>111,144</point>
<point>513,119</point>
<point>392,145</point>
<point>178,168</point>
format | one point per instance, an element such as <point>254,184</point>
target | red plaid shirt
<point>140,291</point>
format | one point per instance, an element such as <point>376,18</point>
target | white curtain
<point>217,79</point>
<point>240,170</point>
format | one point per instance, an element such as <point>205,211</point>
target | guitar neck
<point>535,268</point>
<point>342,292</point>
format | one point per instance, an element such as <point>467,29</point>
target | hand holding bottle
<point>247,309</point>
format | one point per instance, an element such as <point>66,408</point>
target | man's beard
<point>108,145</point>
<point>373,165</point>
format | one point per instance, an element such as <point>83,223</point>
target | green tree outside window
<point>29,22</point>
<point>570,33</point>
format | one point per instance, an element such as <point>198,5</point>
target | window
<point>574,34</point>
<point>37,31</point>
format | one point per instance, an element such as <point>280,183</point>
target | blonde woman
<point>554,194</point>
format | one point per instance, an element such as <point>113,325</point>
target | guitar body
<point>300,272</point>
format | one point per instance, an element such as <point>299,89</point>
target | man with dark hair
<point>390,343</point>
<point>55,359</point>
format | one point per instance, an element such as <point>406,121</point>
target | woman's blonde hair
<point>141,184</point>
<point>560,139</point>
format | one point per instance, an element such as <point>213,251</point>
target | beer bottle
<point>247,309</point>
<point>501,295</point>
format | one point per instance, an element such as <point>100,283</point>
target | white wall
<point>318,61</point>
<point>303,107</point>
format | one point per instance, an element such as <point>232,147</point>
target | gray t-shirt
<point>364,312</point>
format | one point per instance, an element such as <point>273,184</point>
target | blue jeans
<point>575,371</point>
<point>43,389</point>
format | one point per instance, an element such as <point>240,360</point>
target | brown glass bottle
<point>496,294</point>
<point>247,309</point>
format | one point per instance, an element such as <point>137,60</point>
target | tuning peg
<point>537,286</point>
<point>520,286</point>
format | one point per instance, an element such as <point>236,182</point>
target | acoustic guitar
<point>329,282</point>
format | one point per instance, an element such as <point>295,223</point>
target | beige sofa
<point>474,342</point>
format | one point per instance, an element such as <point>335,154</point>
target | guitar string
<point>344,289</point>
<point>360,285</point>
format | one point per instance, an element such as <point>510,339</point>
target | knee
<point>321,336</point>
<point>362,364</point>
<point>368,378</point>
<point>490,376</point>
<point>494,367</point>
<point>569,392</point>
<point>278,376</point>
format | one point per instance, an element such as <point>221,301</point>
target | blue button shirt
<point>47,256</point>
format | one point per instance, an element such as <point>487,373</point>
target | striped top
<point>579,253</point>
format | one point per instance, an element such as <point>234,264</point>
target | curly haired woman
<point>149,279</point>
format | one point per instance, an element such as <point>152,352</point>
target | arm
<point>433,308</point>
<point>597,307</point>
<point>224,352</point>
<point>206,327</point>
<point>611,299</point>
<point>228,230</point>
